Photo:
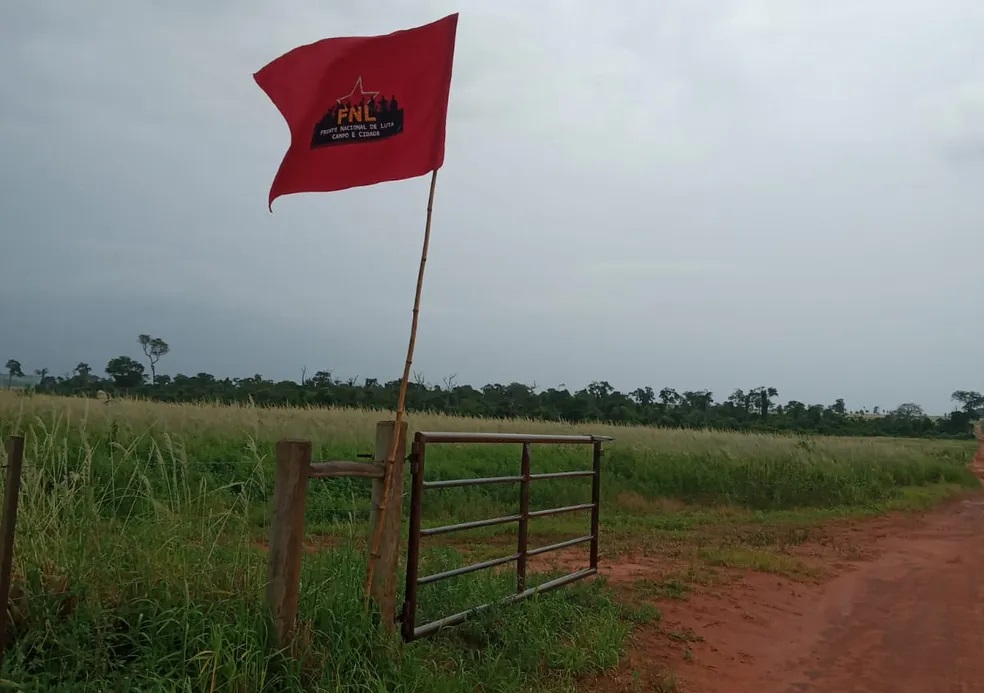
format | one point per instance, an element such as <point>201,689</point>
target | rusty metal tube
<point>434,626</point>
<point>473,568</point>
<point>565,509</point>
<point>559,545</point>
<point>561,475</point>
<point>409,615</point>
<point>599,452</point>
<point>454,483</point>
<point>461,527</point>
<point>524,519</point>
<point>452,437</point>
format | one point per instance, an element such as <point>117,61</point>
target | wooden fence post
<point>287,535</point>
<point>15,462</point>
<point>384,579</point>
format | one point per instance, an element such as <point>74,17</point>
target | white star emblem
<point>363,94</point>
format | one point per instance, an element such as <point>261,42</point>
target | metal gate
<point>410,629</point>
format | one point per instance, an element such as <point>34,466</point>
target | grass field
<point>139,561</point>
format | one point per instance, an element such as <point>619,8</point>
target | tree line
<point>755,409</point>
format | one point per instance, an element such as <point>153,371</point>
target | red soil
<point>901,610</point>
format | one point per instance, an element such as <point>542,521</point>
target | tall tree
<point>762,397</point>
<point>699,400</point>
<point>669,397</point>
<point>970,401</point>
<point>449,387</point>
<point>42,374</point>
<point>741,400</point>
<point>125,372</point>
<point>14,370</point>
<point>321,379</point>
<point>153,349</point>
<point>909,410</point>
<point>645,396</point>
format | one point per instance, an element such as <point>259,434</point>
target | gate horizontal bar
<point>436,577</point>
<point>446,529</point>
<point>434,626</point>
<point>566,509</point>
<point>452,483</point>
<point>562,475</point>
<point>343,468</point>
<point>450,437</point>
<point>559,545</point>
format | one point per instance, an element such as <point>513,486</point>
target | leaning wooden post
<point>15,462</point>
<point>287,535</point>
<point>384,579</point>
<point>977,463</point>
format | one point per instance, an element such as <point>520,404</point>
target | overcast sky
<point>687,193</point>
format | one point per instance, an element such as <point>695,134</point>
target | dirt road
<point>904,614</point>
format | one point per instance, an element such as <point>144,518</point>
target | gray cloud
<point>698,193</point>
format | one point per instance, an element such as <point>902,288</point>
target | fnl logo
<point>359,116</point>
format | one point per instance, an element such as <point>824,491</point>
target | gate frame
<point>408,617</point>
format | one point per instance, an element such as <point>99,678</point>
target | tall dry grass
<point>137,565</point>
<point>137,568</point>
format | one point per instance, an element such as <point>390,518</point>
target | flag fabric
<point>362,109</point>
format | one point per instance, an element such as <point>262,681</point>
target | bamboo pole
<point>401,401</point>
<point>384,582</point>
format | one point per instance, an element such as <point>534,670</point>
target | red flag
<point>362,109</point>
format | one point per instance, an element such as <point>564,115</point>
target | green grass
<point>137,565</point>
<point>134,575</point>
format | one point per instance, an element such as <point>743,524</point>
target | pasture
<point>140,550</point>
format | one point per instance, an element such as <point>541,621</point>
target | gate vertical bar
<point>524,520</point>
<point>409,616</point>
<point>596,501</point>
